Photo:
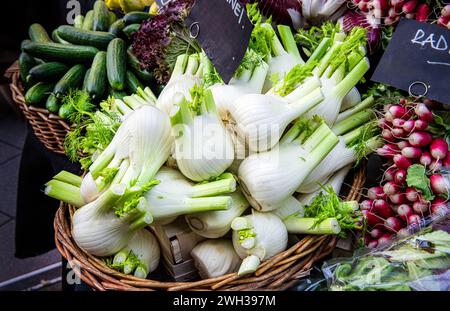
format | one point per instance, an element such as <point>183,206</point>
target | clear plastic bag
<point>415,263</point>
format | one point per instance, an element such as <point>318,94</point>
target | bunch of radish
<point>389,12</point>
<point>393,206</point>
<point>444,19</point>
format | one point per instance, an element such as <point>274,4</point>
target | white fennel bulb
<point>258,237</point>
<point>214,258</point>
<point>289,207</point>
<point>89,189</point>
<point>351,99</point>
<point>216,224</point>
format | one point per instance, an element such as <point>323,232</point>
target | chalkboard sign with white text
<point>418,60</point>
<point>162,3</point>
<point>223,30</point>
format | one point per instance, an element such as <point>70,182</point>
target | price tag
<point>417,60</point>
<point>223,30</point>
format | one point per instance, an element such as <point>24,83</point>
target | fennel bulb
<point>186,74</point>
<point>271,177</point>
<point>140,256</point>
<point>351,99</point>
<point>204,149</point>
<point>289,207</point>
<point>214,258</point>
<point>216,224</point>
<point>258,237</point>
<point>175,195</point>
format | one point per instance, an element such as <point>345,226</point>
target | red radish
<point>390,188</point>
<point>398,132</point>
<point>420,125</point>
<point>400,177</point>
<point>376,193</point>
<point>446,161</point>
<point>372,244</point>
<point>423,112</point>
<point>376,233</point>
<point>391,20</point>
<point>392,13</point>
<point>436,165</point>
<point>409,126</point>
<point>372,219</point>
<point>409,6</point>
<point>385,239</point>
<point>384,124</point>
<point>414,219</point>
<point>439,148</point>
<point>398,111</point>
<point>393,224</point>
<point>442,21</point>
<point>389,173</point>
<point>439,184</point>
<point>389,117</point>
<point>384,152</point>
<point>422,12</point>
<point>404,211</point>
<point>412,152</point>
<point>439,207</point>
<point>363,6</point>
<point>381,208</point>
<point>397,4</point>
<point>410,15</point>
<point>398,198</point>
<point>403,233</point>
<point>366,205</point>
<point>411,194</point>
<point>420,207</point>
<point>367,239</point>
<point>356,1</point>
<point>420,139</point>
<point>387,134</point>
<point>403,144</point>
<point>402,101</point>
<point>398,122</point>
<point>445,12</point>
<point>425,159</point>
<point>402,162</point>
<point>392,147</point>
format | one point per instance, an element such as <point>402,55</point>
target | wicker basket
<point>49,128</point>
<point>278,273</point>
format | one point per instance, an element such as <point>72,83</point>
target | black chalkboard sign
<point>418,60</point>
<point>162,3</point>
<point>223,30</point>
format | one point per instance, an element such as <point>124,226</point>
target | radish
<point>384,124</point>
<point>400,177</point>
<point>412,152</point>
<point>411,194</point>
<point>367,239</point>
<point>420,125</point>
<point>423,112</point>
<point>403,144</point>
<point>381,208</point>
<point>384,152</point>
<point>436,165</point>
<point>387,134</point>
<point>420,207</point>
<point>385,239</point>
<point>439,207</point>
<point>420,139</point>
<point>410,15</point>
<point>391,20</point>
<point>393,224</point>
<point>445,12</point>
<point>376,193</point>
<point>390,188</point>
<point>439,148</point>
<point>409,6</point>
<point>398,111</point>
<point>409,126</point>
<point>414,219</point>
<point>398,132</point>
<point>372,219</point>
<point>397,4</point>
<point>425,158</point>
<point>398,122</point>
<point>391,147</point>
<point>439,184</point>
<point>442,21</point>
<point>389,117</point>
<point>404,211</point>
<point>389,173</point>
<point>372,244</point>
<point>363,6</point>
<point>446,161</point>
<point>422,12</point>
<point>392,13</point>
<point>398,198</point>
<point>376,233</point>
<point>403,233</point>
<point>402,162</point>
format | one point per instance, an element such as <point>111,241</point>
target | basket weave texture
<point>277,273</point>
<point>49,128</point>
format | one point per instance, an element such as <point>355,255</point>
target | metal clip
<point>194,30</point>
<point>425,86</point>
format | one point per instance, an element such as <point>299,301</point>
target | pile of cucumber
<point>93,55</point>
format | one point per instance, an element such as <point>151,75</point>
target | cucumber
<point>101,16</point>
<point>112,18</point>
<point>65,111</point>
<point>135,67</point>
<point>61,52</point>
<point>71,80</point>
<point>38,93</point>
<point>117,94</point>
<point>96,82</point>
<point>132,82</point>
<point>57,38</point>
<point>48,72</point>
<point>37,33</point>
<point>117,27</point>
<point>24,42</point>
<point>86,77</point>
<point>98,39</point>
<point>78,22</point>
<point>88,23</point>
<point>116,64</point>
<point>26,62</point>
<point>52,103</point>
<point>130,30</point>
<point>136,17</point>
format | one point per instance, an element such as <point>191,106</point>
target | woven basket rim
<point>277,273</point>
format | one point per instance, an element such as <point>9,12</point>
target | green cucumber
<point>38,93</point>
<point>132,82</point>
<point>98,39</point>
<point>136,17</point>
<point>71,80</point>
<point>26,62</point>
<point>86,77</point>
<point>101,16</point>
<point>135,67</point>
<point>61,52</point>
<point>117,94</point>
<point>116,64</point>
<point>88,23</point>
<point>37,33</point>
<point>130,30</point>
<point>96,82</point>
<point>57,38</point>
<point>52,103</point>
<point>48,72</point>
<point>78,22</point>
<point>112,18</point>
<point>24,42</point>
<point>65,111</point>
<point>117,27</point>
